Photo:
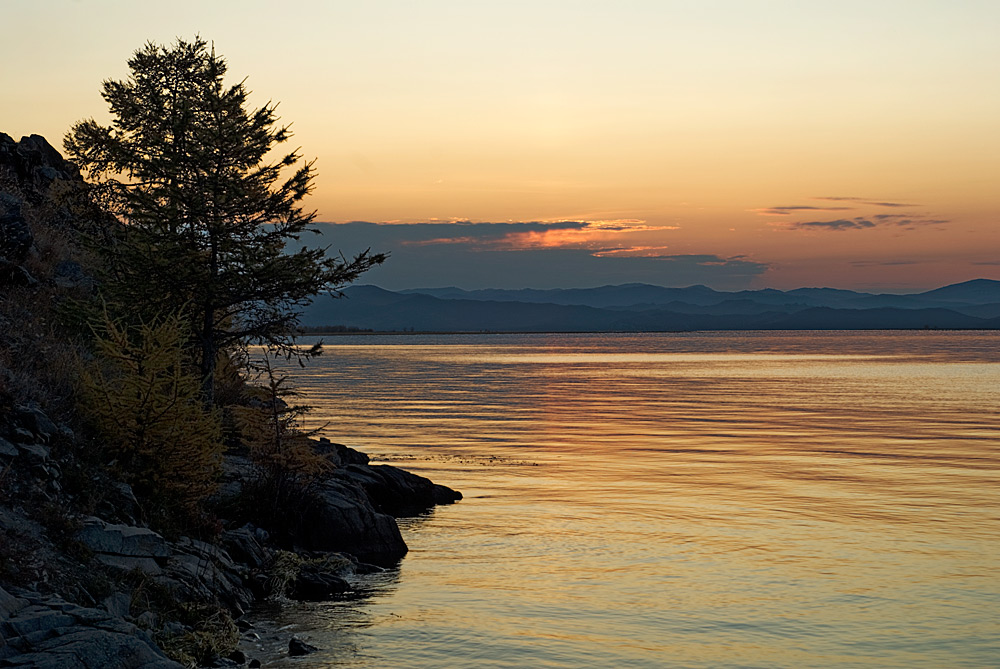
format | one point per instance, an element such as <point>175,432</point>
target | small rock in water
<point>298,647</point>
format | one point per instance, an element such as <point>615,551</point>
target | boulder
<point>398,492</point>
<point>244,545</point>
<point>340,518</point>
<point>7,449</point>
<point>127,540</point>
<point>317,585</point>
<point>297,647</point>
<point>339,454</point>
<point>198,571</point>
<point>49,633</point>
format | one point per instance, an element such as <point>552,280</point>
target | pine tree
<point>206,213</point>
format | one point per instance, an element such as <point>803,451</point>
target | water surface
<point>690,500</point>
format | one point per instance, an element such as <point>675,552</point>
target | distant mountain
<point>977,291</point>
<point>642,307</point>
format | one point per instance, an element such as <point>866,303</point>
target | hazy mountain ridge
<point>641,307</point>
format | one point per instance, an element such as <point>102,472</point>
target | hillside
<point>640,307</point>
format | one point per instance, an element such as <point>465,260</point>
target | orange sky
<point>711,128</point>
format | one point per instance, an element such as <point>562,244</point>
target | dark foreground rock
<point>343,519</point>
<point>49,633</point>
<point>398,492</point>
<point>297,647</point>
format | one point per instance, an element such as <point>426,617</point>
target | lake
<point>755,499</point>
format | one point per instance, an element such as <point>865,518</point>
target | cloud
<point>532,254</point>
<point>905,221</point>
<point>786,211</point>
<point>839,224</point>
<point>520,236</point>
<point>862,200</point>
<point>883,263</point>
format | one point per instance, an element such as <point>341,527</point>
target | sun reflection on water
<point>748,499</point>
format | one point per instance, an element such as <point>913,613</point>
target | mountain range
<point>646,308</point>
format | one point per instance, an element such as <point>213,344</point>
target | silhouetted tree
<point>206,217</point>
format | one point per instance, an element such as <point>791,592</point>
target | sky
<point>731,143</point>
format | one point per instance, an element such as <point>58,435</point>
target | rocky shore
<point>84,580</point>
<point>121,580</point>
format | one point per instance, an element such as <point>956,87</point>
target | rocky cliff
<point>84,582</point>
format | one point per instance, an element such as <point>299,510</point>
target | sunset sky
<point>732,143</point>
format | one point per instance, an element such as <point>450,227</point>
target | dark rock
<point>339,454</point>
<point>318,586</point>
<point>22,435</point>
<point>35,454</point>
<point>15,235</point>
<point>7,449</point>
<point>297,647</point>
<point>254,664</point>
<point>238,656</point>
<point>340,518</point>
<point>70,274</point>
<point>117,604</point>
<point>119,504</point>
<point>398,492</point>
<point>102,537</point>
<point>15,275</point>
<point>244,546</point>
<point>51,633</point>
<point>36,421</point>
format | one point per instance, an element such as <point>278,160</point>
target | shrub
<point>143,400</point>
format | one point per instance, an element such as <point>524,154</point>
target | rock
<point>398,492</point>
<point>22,435</point>
<point>127,563</point>
<point>102,537</point>
<point>119,503</point>
<point>49,633</point>
<point>7,449</point>
<point>318,586</point>
<point>198,571</point>
<point>36,421</point>
<point>35,454</point>
<point>340,518</point>
<point>238,657</point>
<point>10,605</point>
<point>254,664</point>
<point>339,454</point>
<point>70,274</point>
<point>297,647</point>
<point>15,235</point>
<point>117,604</point>
<point>244,546</point>
<point>15,275</point>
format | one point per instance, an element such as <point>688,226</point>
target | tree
<point>139,396</point>
<point>206,215</point>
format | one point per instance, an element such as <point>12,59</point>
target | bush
<point>143,400</point>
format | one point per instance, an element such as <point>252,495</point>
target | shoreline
<point>352,531</point>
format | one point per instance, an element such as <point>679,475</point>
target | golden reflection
<point>808,500</point>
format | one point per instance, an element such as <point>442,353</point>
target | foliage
<point>285,464</point>
<point>185,165</point>
<point>143,400</point>
<point>214,635</point>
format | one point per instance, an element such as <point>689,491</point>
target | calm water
<point>675,500</point>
